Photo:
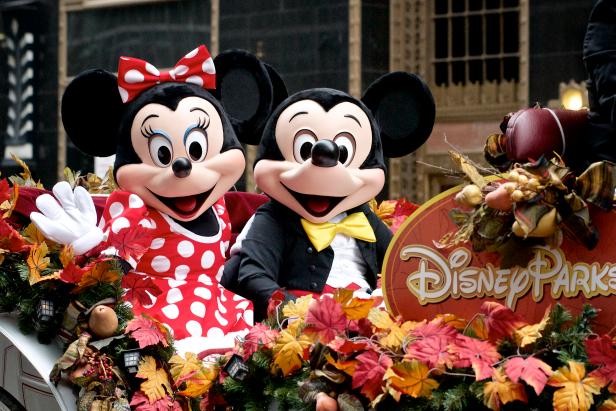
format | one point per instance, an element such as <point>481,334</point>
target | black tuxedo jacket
<point>277,253</point>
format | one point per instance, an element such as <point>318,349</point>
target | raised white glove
<point>72,222</point>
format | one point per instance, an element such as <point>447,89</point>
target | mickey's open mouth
<point>316,205</point>
<point>187,206</point>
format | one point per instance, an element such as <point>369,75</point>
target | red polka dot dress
<point>187,268</point>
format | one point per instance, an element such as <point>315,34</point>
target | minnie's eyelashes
<point>147,133</point>
<point>203,123</point>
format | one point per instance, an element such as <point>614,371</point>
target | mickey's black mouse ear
<point>280,89</point>
<point>91,112</point>
<point>244,88</point>
<point>404,109</point>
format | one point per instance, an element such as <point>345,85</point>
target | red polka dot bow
<point>135,75</point>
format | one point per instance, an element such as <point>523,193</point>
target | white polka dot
<point>208,66</point>
<point>192,53</point>
<point>215,332</point>
<point>157,243</point>
<point>172,74</point>
<point>219,209</point>
<point>198,309</point>
<point>181,271</point>
<point>223,247</point>
<point>242,305</point>
<point>124,58</point>
<point>207,259</point>
<point>186,248</point>
<point>153,300</point>
<point>175,283</point>
<point>160,263</point>
<point>115,209</point>
<point>221,307</point>
<point>171,311</point>
<point>134,201</point>
<point>205,279</point>
<point>180,70</point>
<point>203,293</point>
<point>220,272</point>
<point>133,76</point>
<point>195,80</point>
<point>249,317</point>
<point>223,297</point>
<point>174,295</point>
<point>119,224</point>
<point>152,223</point>
<point>221,320</point>
<point>123,94</point>
<point>151,69</point>
<point>145,223</point>
<point>194,328</point>
<point>223,225</point>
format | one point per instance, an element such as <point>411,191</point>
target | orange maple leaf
<point>502,391</point>
<point>347,367</point>
<point>200,382</point>
<point>608,405</point>
<point>576,392</point>
<point>354,308</point>
<point>156,384</point>
<point>37,262</point>
<point>102,271</point>
<point>411,378</point>
<point>290,351</point>
<point>530,333</point>
<point>183,368</point>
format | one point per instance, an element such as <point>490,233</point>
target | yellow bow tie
<point>355,225</point>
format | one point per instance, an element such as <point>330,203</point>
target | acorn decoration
<point>470,196</point>
<point>103,321</point>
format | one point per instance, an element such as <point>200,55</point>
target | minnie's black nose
<point>325,153</point>
<point>181,167</point>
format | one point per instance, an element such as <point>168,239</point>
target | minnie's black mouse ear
<point>404,109</point>
<point>280,89</point>
<point>91,112</point>
<point>244,88</point>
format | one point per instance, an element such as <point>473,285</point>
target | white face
<point>319,193</point>
<point>193,133</point>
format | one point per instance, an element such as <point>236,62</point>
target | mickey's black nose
<point>181,167</point>
<point>325,153</point>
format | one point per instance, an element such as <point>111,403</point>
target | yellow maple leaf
<point>32,234</point>
<point>411,378</point>
<point>396,335</point>
<point>297,308</point>
<point>37,262</point>
<point>453,320</point>
<point>156,385</point>
<point>384,210</point>
<point>608,405</point>
<point>2,252</point>
<point>181,367</point>
<point>576,392</point>
<point>354,308</point>
<point>289,351</point>
<point>479,328</point>
<point>67,255</point>
<point>201,382</point>
<point>347,367</point>
<point>530,333</point>
<point>467,168</point>
<point>380,318</point>
<point>102,272</point>
<point>502,390</point>
<point>9,205</point>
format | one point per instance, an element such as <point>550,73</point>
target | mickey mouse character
<point>175,136</point>
<point>320,160</point>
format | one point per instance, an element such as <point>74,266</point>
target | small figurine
<point>321,160</point>
<point>175,136</point>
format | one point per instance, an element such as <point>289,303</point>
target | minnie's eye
<point>346,145</point>
<point>196,145</point>
<point>161,150</point>
<point>302,145</point>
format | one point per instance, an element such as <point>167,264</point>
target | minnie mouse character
<point>320,160</point>
<point>175,136</point>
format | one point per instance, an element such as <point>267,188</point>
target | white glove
<point>72,222</point>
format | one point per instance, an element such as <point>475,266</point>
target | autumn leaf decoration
<point>131,242</point>
<point>411,378</point>
<point>502,391</point>
<point>146,332</point>
<point>156,385</point>
<point>139,289</point>
<point>38,263</point>
<point>289,351</point>
<point>575,390</point>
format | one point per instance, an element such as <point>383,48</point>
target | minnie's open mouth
<point>186,206</point>
<point>316,205</point>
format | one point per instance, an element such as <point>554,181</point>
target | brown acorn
<point>103,321</point>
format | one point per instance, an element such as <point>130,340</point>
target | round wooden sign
<point>420,280</point>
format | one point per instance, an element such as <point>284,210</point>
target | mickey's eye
<point>346,145</point>
<point>302,145</point>
<point>161,150</point>
<point>196,145</point>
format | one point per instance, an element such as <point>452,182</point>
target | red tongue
<point>185,204</point>
<point>318,204</point>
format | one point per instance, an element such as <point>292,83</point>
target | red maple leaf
<point>141,403</point>
<point>10,239</point>
<point>131,242</point>
<point>276,300</point>
<point>146,332</point>
<point>259,336</point>
<point>326,319</point>
<point>433,351</point>
<point>500,320</point>
<point>5,190</point>
<point>346,347</point>
<point>531,370</point>
<point>435,328</point>
<point>139,288</point>
<point>369,373</point>
<point>403,209</point>
<point>478,354</point>
<point>601,352</point>
<point>72,273</point>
